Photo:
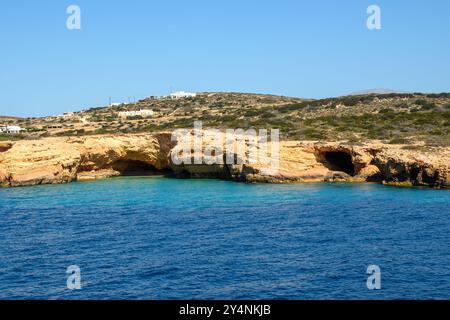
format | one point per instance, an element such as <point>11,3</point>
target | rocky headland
<point>66,159</point>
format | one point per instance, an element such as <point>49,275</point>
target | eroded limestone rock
<point>61,160</point>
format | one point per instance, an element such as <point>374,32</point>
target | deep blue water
<point>158,238</point>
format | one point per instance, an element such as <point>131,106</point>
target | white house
<point>65,115</point>
<point>182,94</point>
<point>11,129</point>
<point>143,113</point>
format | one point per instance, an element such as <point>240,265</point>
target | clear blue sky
<point>138,48</point>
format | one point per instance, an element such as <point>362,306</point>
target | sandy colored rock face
<point>39,162</point>
<point>61,160</point>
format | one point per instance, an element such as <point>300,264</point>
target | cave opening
<point>136,168</point>
<point>339,161</point>
<point>5,147</point>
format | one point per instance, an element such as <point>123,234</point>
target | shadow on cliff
<point>337,161</point>
<point>138,168</point>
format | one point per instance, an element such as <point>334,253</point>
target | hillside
<point>8,118</point>
<point>395,118</point>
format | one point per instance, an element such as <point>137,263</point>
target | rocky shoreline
<point>66,159</point>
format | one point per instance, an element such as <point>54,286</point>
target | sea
<point>165,238</point>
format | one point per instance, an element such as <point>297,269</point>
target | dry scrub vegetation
<point>396,118</point>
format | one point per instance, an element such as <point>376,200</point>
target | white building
<point>182,94</point>
<point>11,129</point>
<point>65,115</point>
<point>143,113</point>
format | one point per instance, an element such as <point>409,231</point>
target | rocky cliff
<point>60,160</point>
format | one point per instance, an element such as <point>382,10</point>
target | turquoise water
<point>160,238</point>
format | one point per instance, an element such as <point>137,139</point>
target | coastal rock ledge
<point>66,159</point>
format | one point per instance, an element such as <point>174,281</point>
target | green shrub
<point>350,101</point>
<point>420,102</point>
<point>135,118</point>
<point>428,106</point>
<point>398,141</point>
